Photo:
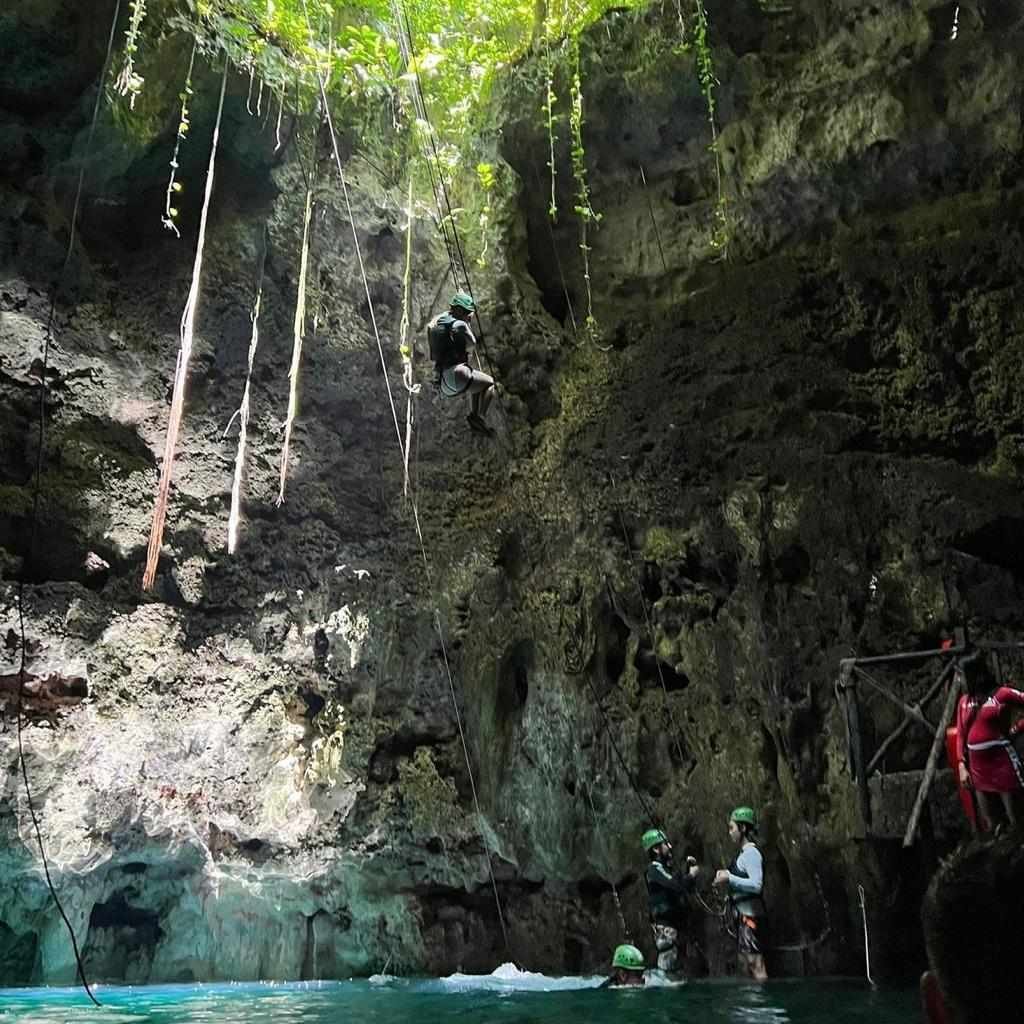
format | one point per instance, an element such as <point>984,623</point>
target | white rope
<point>867,944</point>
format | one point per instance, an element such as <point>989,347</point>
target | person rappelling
<point>667,893</point>
<point>450,338</point>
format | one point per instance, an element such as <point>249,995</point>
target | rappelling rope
<point>36,492</point>
<point>405,47</point>
<point>424,113</point>
<point>611,881</point>
<point>414,503</point>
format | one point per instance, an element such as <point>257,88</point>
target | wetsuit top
<point>746,880</point>
<point>450,339</point>
<point>667,892</point>
<point>985,721</point>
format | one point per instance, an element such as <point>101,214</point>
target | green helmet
<point>628,958</point>
<point>460,300</point>
<point>744,816</point>
<point>652,837</point>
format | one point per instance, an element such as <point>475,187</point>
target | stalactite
<point>243,410</point>
<point>300,320</point>
<point>181,370</point>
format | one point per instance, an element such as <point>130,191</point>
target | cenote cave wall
<point>765,463</point>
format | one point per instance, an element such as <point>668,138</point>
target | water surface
<point>526,1000</point>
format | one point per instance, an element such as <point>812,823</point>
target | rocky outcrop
<point>645,583</point>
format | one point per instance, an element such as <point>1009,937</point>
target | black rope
<point>558,259</point>
<point>645,804</point>
<point>34,520</point>
<point>654,222</point>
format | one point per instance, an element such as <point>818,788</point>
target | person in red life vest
<point>987,760</point>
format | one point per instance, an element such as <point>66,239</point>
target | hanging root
<point>243,410</point>
<point>187,330</point>
<point>300,321</point>
<point>406,349</point>
<point>173,185</point>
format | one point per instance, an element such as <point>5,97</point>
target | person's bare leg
<point>985,808</point>
<point>1012,807</point>
<point>481,390</point>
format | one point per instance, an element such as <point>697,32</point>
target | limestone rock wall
<point>765,463</point>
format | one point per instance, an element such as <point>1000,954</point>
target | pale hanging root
<point>181,371</point>
<point>173,185</point>
<point>406,349</point>
<point>248,98</point>
<point>243,410</point>
<point>277,127</point>
<point>300,322</point>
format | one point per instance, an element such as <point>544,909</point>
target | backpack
<point>445,348</point>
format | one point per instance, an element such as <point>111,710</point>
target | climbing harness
<point>34,521</point>
<point>414,503</point>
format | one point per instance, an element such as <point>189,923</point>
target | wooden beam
<point>902,727</point>
<point>933,761</point>
<point>910,710</point>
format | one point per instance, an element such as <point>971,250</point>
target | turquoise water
<point>469,1001</point>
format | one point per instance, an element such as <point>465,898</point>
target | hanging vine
<point>583,208</point>
<point>720,234</point>
<point>128,83</point>
<point>173,185</point>
<point>187,331</point>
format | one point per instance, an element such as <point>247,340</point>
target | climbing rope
<point>414,503</point>
<point>611,881</point>
<point>645,804</point>
<point>34,520</point>
<point>425,114</point>
<point>654,221</point>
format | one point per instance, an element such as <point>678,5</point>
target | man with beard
<point>667,891</point>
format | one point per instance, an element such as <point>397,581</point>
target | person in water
<point>627,968</point>
<point>450,338</point>
<point>744,879</point>
<point>987,760</point>
<point>667,893</point>
<point>973,935</point>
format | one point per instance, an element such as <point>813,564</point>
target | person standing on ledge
<point>450,338</point>
<point>745,881</point>
<point>667,891</point>
<point>988,762</point>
